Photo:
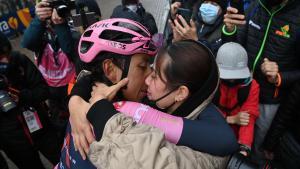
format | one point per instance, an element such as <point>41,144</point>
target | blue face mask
<point>209,13</point>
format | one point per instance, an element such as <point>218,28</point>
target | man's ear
<point>111,71</point>
<point>182,93</point>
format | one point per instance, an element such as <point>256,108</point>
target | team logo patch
<point>284,31</point>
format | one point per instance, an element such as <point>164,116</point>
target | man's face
<point>139,69</point>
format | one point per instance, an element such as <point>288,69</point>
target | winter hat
<point>222,3</point>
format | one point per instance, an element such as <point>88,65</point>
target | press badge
<point>32,120</point>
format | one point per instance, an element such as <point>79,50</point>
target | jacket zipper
<point>201,28</point>
<point>266,33</point>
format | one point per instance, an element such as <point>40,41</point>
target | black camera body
<point>63,7</point>
<point>239,161</point>
<point>6,101</point>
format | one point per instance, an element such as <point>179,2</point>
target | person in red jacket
<point>238,94</point>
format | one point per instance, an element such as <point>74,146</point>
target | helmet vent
<point>88,33</point>
<point>85,46</point>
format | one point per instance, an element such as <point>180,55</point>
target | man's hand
<point>185,31</point>
<point>270,70</point>
<point>174,8</point>
<point>56,19</point>
<point>242,118</point>
<point>102,91</point>
<point>232,19</point>
<point>43,11</point>
<point>81,129</point>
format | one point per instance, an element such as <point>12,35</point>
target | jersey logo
<point>284,31</point>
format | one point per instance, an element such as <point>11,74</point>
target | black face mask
<point>4,67</point>
<point>272,3</point>
<point>233,83</point>
<point>154,102</point>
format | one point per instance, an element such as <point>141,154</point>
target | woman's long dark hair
<point>191,64</point>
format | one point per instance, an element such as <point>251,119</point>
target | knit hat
<point>5,45</point>
<point>223,4</point>
<point>232,60</point>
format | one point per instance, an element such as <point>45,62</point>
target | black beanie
<point>223,3</point>
<point>5,46</point>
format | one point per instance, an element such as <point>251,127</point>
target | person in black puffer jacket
<point>283,139</point>
<point>271,36</point>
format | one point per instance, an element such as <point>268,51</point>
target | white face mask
<point>209,13</point>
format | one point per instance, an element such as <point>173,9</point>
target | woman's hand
<point>81,129</point>
<point>242,118</point>
<point>102,91</point>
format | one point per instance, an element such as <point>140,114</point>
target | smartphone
<point>185,13</point>
<point>239,5</point>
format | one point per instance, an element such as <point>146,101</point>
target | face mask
<point>154,102</point>
<point>209,13</point>
<point>4,68</point>
<point>233,83</point>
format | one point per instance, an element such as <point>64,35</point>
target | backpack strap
<point>243,94</point>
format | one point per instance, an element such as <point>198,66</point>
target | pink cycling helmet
<point>92,42</point>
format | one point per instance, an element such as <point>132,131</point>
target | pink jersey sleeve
<point>171,125</point>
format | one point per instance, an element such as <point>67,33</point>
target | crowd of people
<point>220,91</point>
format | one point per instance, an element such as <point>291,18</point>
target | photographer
<point>24,124</point>
<point>50,37</point>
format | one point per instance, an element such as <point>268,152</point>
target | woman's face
<point>157,87</point>
<point>139,69</point>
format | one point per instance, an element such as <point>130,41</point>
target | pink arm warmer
<point>171,125</point>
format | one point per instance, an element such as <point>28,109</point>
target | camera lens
<point>62,11</point>
<point>6,102</point>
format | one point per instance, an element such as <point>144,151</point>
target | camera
<point>63,7</point>
<point>6,102</point>
<point>239,161</point>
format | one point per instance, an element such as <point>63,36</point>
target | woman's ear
<point>111,71</point>
<point>182,93</point>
